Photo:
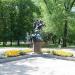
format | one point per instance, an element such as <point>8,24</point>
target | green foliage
<point>60,13</point>
<point>16,18</point>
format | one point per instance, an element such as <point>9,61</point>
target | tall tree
<point>25,17</point>
<point>3,18</point>
<point>60,20</point>
<point>68,6</point>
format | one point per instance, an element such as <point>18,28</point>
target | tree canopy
<point>17,17</point>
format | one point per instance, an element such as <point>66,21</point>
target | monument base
<point>37,47</point>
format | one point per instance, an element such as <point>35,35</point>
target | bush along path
<point>13,55</point>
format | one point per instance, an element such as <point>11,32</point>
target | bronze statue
<point>36,36</point>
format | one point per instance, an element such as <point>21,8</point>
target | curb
<point>9,59</point>
<point>59,57</point>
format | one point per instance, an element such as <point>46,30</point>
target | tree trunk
<point>59,40</point>
<point>53,40</point>
<point>4,43</point>
<point>11,43</point>
<point>18,42</point>
<point>65,34</point>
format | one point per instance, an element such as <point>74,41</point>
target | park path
<point>38,66</point>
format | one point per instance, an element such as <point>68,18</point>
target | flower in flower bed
<point>48,51</point>
<point>58,53</point>
<point>22,52</point>
<point>12,53</point>
<point>44,51</point>
<point>62,53</point>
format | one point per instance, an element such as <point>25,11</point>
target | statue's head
<point>38,24</point>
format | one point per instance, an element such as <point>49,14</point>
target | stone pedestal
<point>37,46</point>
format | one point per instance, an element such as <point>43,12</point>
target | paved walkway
<point>38,66</point>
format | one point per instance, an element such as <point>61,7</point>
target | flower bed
<point>59,53</point>
<point>15,53</point>
<point>11,53</point>
<point>23,52</point>
<point>62,53</point>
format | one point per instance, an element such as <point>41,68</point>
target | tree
<point>63,9</point>
<point>25,17</point>
<point>16,19</point>
<point>3,19</point>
